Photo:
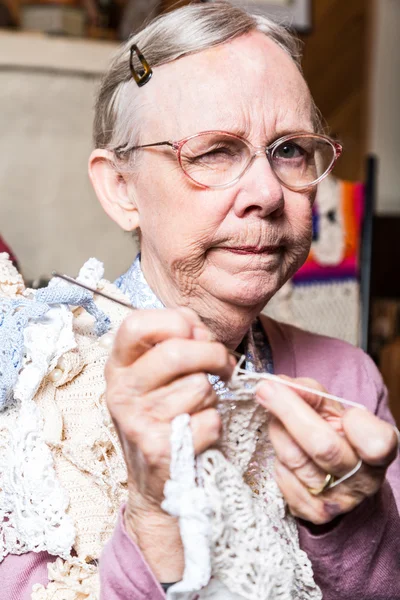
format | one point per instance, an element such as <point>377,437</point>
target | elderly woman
<point>215,161</point>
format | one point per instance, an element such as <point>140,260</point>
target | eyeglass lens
<point>217,159</point>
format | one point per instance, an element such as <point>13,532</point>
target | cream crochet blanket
<point>233,519</point>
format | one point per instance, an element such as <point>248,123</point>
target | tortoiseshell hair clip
<point>144,75</point>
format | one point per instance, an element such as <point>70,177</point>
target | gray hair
<point>184,31</point>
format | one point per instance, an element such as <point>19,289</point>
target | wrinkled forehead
<point>249,86</point>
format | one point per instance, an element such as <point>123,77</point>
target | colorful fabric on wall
<point>337,224</point>
<point>323,296</point>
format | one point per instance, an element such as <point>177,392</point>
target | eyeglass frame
<point>266,151</point>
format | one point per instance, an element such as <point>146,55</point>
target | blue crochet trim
<point>15,315</point>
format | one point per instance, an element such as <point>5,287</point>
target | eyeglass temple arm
<point>123,150</point>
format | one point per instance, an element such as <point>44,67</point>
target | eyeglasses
<point>218,159</point>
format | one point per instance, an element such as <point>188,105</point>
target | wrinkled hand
<point>312,437</point>
<point>156,371</point>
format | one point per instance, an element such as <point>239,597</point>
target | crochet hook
<point>93,290</point>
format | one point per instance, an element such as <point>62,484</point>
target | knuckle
<point>131,327</point>
<point>293,457</point>
<point>130,429</point>
<point>327,451</point>
<point>173,355</point>
<point>154,446</point>
<point>122,389</point>
<point>201,384</point>
<point>310,475</point>
<point>179,321</point>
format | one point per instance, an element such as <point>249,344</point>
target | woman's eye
<point>216,154</point>
<point>289,151</point>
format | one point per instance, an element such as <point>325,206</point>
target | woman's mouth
<point>252,249</point>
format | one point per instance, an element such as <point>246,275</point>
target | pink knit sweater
<point>356,558</point>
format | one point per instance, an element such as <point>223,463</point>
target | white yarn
<point>91,272</point>
<point>186,500</point>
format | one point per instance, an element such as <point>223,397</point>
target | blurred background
<point>52,55</point>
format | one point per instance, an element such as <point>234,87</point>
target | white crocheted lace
<point>11,282</point>
<point>244,535</point>
<point>33,504</point>
<point>69,580</point>
<point>183,498</point>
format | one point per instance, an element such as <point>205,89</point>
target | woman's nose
<point>260,192</point>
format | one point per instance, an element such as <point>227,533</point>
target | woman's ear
<point>112,190</point>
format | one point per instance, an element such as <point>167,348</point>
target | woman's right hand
<point>156,371</point>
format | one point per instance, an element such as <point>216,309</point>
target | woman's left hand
<point>314,437</point>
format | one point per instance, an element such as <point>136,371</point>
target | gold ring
<point>329,480</point>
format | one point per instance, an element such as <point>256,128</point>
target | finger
<point>175,358</point>
<point>311,398</point>
<point>365,482</point>
<point>206,429</point>
<point>145,328</point>
<point>293,457</point>
<point>301,503</point>
<point>315,509</point>
<point>330,451</point>
<point>374,440</point>
<point>140,436</point>
<point>149,473</point>
<point>189,394</point>
<point>156,445</point>
<point>328,408</point>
